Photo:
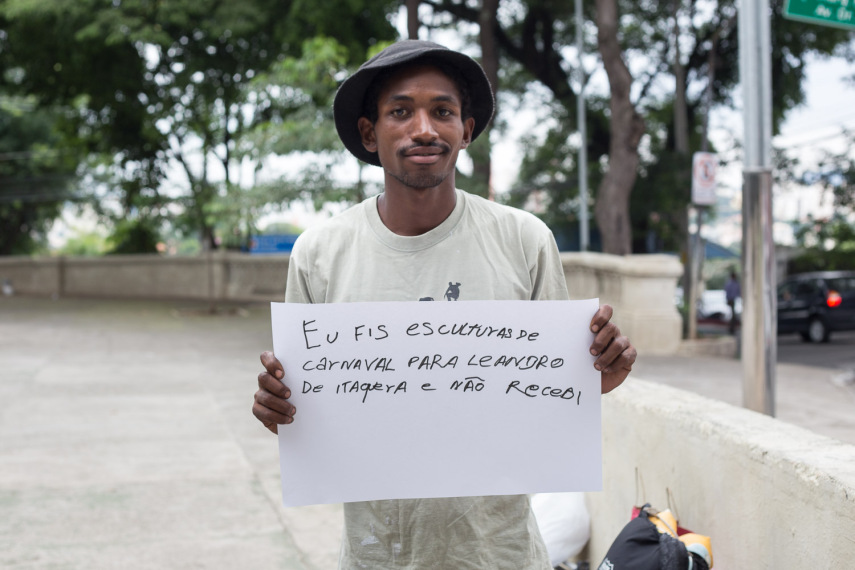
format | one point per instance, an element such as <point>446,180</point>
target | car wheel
<point>817,331</point>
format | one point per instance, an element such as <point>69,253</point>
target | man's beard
<point>419,181</point>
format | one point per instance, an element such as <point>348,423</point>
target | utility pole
<point>759,314</point>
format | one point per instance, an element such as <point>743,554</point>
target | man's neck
<point>413,212</point>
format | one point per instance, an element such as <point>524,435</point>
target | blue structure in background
<point>270,244</point>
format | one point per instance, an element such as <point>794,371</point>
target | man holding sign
<point>410,110</point>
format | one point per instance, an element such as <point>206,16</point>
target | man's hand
<point>616,354</point>
<point>271,406</point>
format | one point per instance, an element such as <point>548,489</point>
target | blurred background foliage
<point>165,118</point>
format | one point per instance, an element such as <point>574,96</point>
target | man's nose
<point>422,127</point>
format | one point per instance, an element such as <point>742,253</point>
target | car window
<point>806,288</point>
<point>841,284</point>
<point>785,292</point>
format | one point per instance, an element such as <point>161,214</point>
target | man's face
<point>419,129</point>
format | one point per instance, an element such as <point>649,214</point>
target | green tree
<point>829,244</point>
<point>84,244</point>
<point>293,118</point>
<point>158,84</point>
<point>837,176</point>
<point>37,174</point>
<point>684,47</point>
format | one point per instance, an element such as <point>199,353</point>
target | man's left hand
<point>615,353</point>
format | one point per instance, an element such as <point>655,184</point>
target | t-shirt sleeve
<point>547,274</point>
<point>297,286</point>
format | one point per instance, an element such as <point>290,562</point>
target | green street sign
<point>837,13</point>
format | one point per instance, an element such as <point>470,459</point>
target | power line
<point>809,142</point>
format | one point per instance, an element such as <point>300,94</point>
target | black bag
<point>641,546</point>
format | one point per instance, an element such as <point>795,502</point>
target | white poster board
<point>417,400</point>
<point>704,170</point>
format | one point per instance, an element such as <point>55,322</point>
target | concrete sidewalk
<point>127,441</point>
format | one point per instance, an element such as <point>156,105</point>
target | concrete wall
<point>771,495</point>
<point>217,276</point>
<point>32,276</point>
<point>639,287</point>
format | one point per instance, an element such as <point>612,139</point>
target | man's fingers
<point>603,339</point>
<point>601,317</point>
<point>619,355</point>
<point>267,382</point>
<point>615,353</point>
<point>271,405</point>
<point>272,411</point>
<point>629,355</point>
<point>272,364</point>
<point>269,418</point>
<point>275,403</point>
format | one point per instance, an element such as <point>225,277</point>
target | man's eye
<point>444,112</point>
<point>398,112</point>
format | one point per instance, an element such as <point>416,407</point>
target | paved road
<point>838,352</point>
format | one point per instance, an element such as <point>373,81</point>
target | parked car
<point>712,304</point>
<point>816,304</point>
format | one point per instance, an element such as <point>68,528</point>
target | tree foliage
<point>292,103</point>
<point>829,244</point>
<point>36,175</point>
<point>710,55</point>
<point>177,100</point>
<point>837,176</point>
<point>535,38</point>
<point>163,84</point>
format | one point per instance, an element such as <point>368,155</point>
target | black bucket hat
<point>349,100</point>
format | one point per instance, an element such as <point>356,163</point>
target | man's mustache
<point>433,144</point>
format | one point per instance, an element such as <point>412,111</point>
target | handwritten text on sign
<point>442,399</point>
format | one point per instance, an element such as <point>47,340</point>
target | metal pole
<point>583,137</point>
<point>759,316</point>
<point>696,273</point>
<point>759,322</point>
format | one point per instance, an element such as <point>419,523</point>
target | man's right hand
<point>271,405</point>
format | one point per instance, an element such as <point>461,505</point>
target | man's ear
<point>369,138</point>
<point>468,127</point>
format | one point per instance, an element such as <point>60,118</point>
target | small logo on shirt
<point>451,294</point>
<point>453,291</point>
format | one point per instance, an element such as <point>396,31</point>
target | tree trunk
<point>626,129</point>
<point>681,113</point>
<point>681,146</point>
<point>413,19</point>
<point>481,165</point>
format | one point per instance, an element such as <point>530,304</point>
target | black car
<point>815,304</point>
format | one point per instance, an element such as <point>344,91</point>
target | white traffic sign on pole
<point>704,167</point>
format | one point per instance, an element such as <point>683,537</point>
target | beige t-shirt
<point>482,251</point>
